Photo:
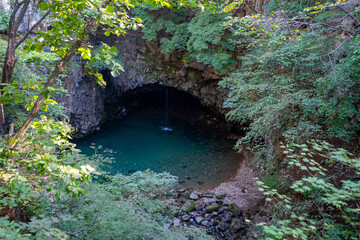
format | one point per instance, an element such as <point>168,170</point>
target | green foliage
<point>203,36</point>
<point>272,181</point>
<point>11,230</point>
<point>340,214</point>
<point>28,79</point>
<point>46,161</point>
<point>294,84</point>
<point>209,42</point>
<point>105,57</point>
<point>4,19</point>
<point>125,207</point>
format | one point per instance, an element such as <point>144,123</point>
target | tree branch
<point>58,69</point>
<point>21,15</point>
<point>349,14</point>
<point>31,29</point>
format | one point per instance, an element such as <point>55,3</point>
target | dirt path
<point>242,189</point>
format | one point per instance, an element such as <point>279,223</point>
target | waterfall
<point>167,108</point>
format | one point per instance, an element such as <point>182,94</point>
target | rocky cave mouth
<point>165,129</point>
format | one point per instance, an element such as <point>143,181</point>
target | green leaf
<point>110,9</point>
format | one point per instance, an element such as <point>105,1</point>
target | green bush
<point>326,209</point>
<point>125,207</point>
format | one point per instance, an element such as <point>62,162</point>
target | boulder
<point>188,206</point>
<point>212,207</point>
<point>235,209</point>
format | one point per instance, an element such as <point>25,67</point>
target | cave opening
<point>165,129</point>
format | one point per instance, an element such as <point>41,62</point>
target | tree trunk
<point>58,69</point>
<point>10,59</point>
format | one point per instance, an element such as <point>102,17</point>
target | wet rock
<point>188,206</point>
<point>186,195</point>
<point>211,200</point>
<point>236,225</point>
<point>176,222</point>
<point>212,207</point>
<point>199,207</point>
<point>221,228</point>
<point>194,196</point>
<point>221,235</point>
<point>221,210</point>
<point>220,196</point>
<point>235,209</point>
<point>185,217</point>
<point>208,195</point>
<point>206,223</point>
<point>198,219</point>
<point>227,219</point>
<point>209,230</point>
<point>193,213</point>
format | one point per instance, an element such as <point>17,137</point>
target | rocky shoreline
<point>211,212</point>
<point>226,211</point>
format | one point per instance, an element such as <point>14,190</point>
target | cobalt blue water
<point>143,140</point>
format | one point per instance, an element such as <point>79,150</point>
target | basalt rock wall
<point>90,105</point>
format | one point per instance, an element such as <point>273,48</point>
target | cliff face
<point>90,105</point>
<point>144,65</point>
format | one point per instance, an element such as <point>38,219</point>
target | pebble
<point>210,212</point>
<point>176,222</point>
<point>188,206</point>
<point>236,225</point>
<point>194,196</point>
<point>211,200</point>
<point>198,219</point>
<point>212,207</point>
<point>235,209</point>
<point>206,223</point>
<point>192,221</point>
<point>185,217</point>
